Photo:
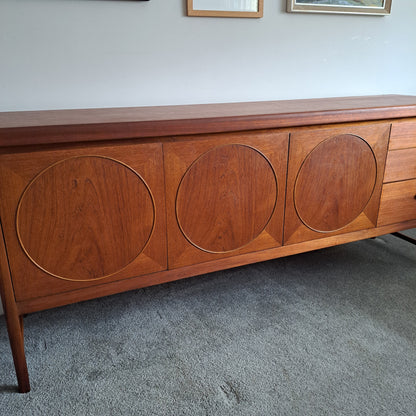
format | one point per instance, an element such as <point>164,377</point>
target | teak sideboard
<point>100,201</point>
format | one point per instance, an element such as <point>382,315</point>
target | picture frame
<point>225,8</point>
<point>371,7</point>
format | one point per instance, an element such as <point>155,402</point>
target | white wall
<point>92,53</point>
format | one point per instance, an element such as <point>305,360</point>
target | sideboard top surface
<point>64,126</point>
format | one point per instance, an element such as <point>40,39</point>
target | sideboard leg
<point>14,320</point>
<point>405,237</point>
<point>15,330</point>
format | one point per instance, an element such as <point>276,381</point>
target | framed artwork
<point>225,8</point>
<point>375,7</point>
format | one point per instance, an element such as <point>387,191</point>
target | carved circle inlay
<point>335,183</point>
<point>226,198</point>
<point>85,218</point>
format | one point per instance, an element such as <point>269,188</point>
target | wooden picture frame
<point>220,8</point>
<point>371,7</point>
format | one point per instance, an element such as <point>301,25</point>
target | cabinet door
<point>77,217</point>
<point>334,180</point>
<point>225,195</point>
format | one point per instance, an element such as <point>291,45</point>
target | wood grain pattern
<point>398,202</point>
<point>244,184</point>
<point>226,198</point>
<point>335,183</point>
<point>403,134</point>
<point>400,165</point>
<point>339,212</point>
<point>106,289</point>
<point>89,243</point>
<point>85,218</point>
<point>66,126</point>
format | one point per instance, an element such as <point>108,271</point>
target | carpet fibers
<point>331,332</point>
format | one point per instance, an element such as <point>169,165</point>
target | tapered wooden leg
<point>13,319</point>
<point>15,330</point>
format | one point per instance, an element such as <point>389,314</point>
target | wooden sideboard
<point>100,201</point>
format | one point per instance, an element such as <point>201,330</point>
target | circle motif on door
<point>226,198</point>
<point>85,218</point>
<point>335,183</point>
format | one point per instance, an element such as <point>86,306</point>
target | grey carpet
<point>331,332</point>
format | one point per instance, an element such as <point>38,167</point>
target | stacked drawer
<point>398,198</point>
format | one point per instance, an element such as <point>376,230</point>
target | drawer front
<point>403,135</point>
<point>398,202</point>
<point>400,165</point>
